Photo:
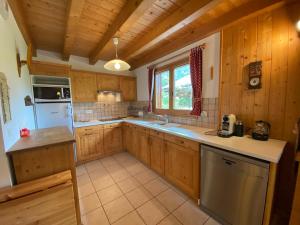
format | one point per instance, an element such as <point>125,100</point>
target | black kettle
<point>261,130</point>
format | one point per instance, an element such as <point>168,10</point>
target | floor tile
<point>117,209</point>
<point>83,179</point>
<point>130,219</point>
<point>80,170</point>
<point>120,175</point>
<point>103,182</point>
<point>128,184</point>
<point>190,214</point>
<point>98,173</point>
<point>89,203</point>
<point>93,165</point>
<point>155,187</point>
<point>84,190</point>
<point>169,220</point>
<point>170,199</point>
<point>145,177</point>
<point>108,161</point>
<point>110,193</point>
<point>138,196</point>
<point>152,212</point>
<point>211,221</point>
<point>136,168</point>
<point>95,217</point>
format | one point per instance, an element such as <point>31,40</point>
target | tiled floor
<point>120,190</point>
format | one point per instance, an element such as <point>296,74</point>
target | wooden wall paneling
<point>250,55</point>
<point>264,53</point>
<point>279,72</point>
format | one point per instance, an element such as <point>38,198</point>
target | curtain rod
<point>203,46</point>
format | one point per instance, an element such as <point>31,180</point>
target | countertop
<point>270,150</point>
<point>43,137</point>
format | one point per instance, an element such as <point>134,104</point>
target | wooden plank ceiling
<point>148,29</point>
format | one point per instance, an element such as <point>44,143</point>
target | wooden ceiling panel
<point>146,28</point>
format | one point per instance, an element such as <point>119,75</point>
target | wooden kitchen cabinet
<point>143,145</point>
<point>157,157</point>
<point>182,168</point>
<point>112,138</point>
<point>89,143</point>
<point>128,88</point>
<point>107,82</point>
<point>84,86</point>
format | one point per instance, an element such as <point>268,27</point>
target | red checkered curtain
<point>196,78</point>
<point>151,73</point>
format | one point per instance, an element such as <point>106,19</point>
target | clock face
<point>254,81</point>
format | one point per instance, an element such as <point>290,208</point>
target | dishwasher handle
<point>228,161</point>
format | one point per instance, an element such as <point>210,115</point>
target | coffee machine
<point>227,126</point>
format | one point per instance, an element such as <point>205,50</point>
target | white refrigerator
<point>54,114</point>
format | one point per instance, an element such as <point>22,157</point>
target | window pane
<point>162,90</point>
<point>182,88</point>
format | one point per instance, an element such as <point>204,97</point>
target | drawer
<point>112,125</point>
<point>183,142</point>
<point>156,133</point>
<point>89,129</point>
<point>142,129</point>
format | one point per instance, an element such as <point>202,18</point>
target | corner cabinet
<point>83,85</point>
<point>128,88</point>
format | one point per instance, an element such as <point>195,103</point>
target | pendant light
<point>116,64</point>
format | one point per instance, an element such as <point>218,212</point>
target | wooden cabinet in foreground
<point>84,86</point>
<point>113,138</point>
<point>128,88</point>
<point>143,145</point>
<point>89,143</point>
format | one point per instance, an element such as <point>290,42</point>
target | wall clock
<point>255,73</point>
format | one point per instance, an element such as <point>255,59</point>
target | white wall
<point>77,62</point>
<point>10,40</point>
<point>211,57</point>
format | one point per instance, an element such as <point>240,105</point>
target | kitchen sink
<point>164,124</point>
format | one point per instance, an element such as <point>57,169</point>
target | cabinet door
<point>128,88</point>
<point>182,168</point>
<point>108,82</point>
<point>144,148</point>
<point>89,144</point>
<point>112,140</point>
<point>83,87</point>
<point>157,154</point>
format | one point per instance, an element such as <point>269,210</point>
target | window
<point>173,89</point>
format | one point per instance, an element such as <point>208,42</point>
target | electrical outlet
<point>203,114</point>
<point>89,111</point>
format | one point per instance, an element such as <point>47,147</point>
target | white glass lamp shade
<point>117,65</point>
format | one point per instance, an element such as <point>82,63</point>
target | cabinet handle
<point>88,134</point>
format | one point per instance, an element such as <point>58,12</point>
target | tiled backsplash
<point>101,110</point>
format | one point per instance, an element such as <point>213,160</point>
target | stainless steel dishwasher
<point>233,187</point>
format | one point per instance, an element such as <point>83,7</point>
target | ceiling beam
<point>127,16</point>
<point>74,11</point>
<point>204,30</point>
<point>183,16</point>
<point>19,16</point>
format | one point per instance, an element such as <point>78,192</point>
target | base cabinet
<point>157,155</point>
<point>113,139</point>
<point>89,143</point>
<point>182,168</point>
<point>144,148</point>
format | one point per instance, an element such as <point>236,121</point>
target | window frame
<point>171,111</point>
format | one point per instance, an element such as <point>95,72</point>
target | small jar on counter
<point>239,128</point>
